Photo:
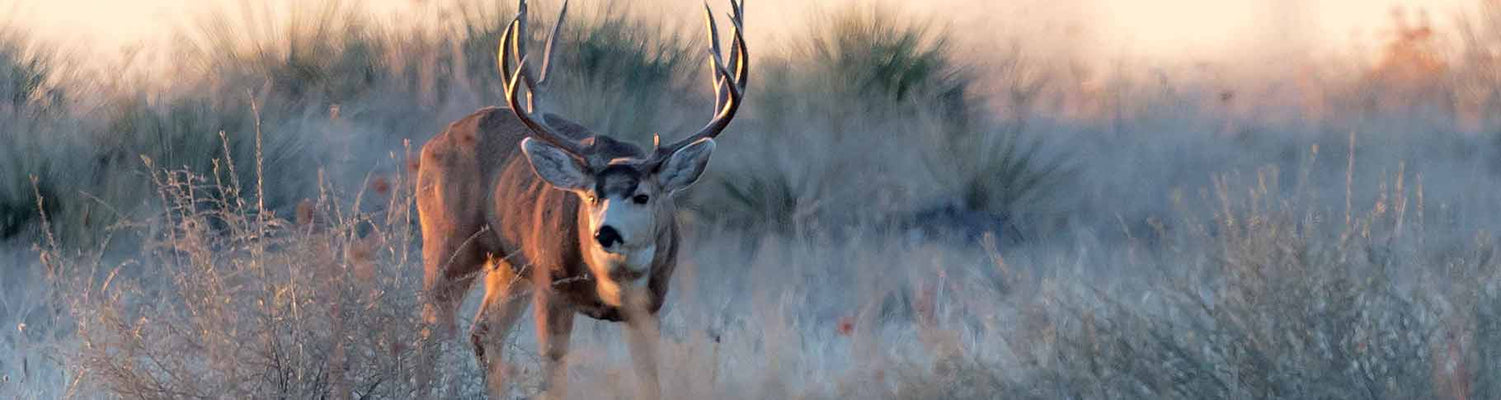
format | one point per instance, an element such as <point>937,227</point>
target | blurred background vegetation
<point>1012,136</point>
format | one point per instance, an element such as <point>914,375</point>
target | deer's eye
<point>641,199</point>
<point>591,199</point>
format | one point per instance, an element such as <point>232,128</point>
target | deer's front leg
<point>554,330</point>
<point>642,336</point>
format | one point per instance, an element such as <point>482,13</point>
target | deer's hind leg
<point>506,298</point>
<point>454,240</point>
<point>455,237</point>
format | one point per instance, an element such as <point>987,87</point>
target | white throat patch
<point>633,264</point>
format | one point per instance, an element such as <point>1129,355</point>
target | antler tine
<point>715,77</point>
<point>503,56</point>
<point>726,113</point>
<point>551,39</point>
<point>513,46</point>
<point>524,76</point>
<point>738,57</point>
<point>727,101</point>
<point>736,60</point>
<point>518,45</point>
<point>713,28</point>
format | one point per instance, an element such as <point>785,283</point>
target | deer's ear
<point>685,165</point>
<point>554,165</point>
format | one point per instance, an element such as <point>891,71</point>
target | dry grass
<point>1240,295</point>
<point>193,244</point>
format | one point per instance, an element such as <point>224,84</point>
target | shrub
<point>872,97</point>
<point>28,75</point>
<point>322,52</point>
<point>226,300</point>
<point>31,104</point>
<point>1273,300</point>
<point>868,52</point>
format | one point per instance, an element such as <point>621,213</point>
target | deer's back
<point>478,161</point>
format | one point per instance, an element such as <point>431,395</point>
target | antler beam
<point>513,47</point>
<point>729,88</point>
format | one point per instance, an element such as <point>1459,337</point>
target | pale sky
<point>1154,28</point>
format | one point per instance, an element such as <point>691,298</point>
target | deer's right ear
<point>555,165</point>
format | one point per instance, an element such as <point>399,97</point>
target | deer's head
<point>626,197</point>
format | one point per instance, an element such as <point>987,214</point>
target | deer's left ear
<point>685,165</point>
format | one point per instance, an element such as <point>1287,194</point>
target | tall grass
<point>30,101</point>
<point>1477,97</point>
<point>226,300</point>
<point>1272,298</point>
<point>1245,292</point>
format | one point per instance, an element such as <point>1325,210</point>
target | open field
<point>890,217</point>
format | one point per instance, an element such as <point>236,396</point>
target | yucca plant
<point>27,74</point>
<point>31,101</point>
<point>1005,173</point>
<point>642,69</point>
<point>322,51</point>
<point>870,53</point>
<point>895,81</point>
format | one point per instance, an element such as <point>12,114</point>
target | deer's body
<point>557,217</point>
<point>480,204</point>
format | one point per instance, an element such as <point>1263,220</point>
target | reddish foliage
<point>846,325</point>
<point>380,185</point>
<point>304,215</point>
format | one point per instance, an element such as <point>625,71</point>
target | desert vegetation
<point>888,218</point>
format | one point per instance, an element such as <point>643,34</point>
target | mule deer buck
<point>560,217</point>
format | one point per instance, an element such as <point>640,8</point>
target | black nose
<point>607,236</point>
